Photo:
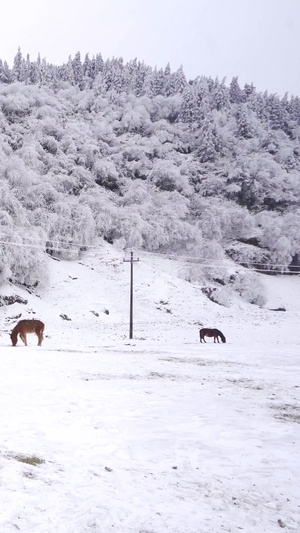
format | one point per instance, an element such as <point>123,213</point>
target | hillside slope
<point>93,295</point>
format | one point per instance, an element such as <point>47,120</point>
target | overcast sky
<point>256,40</point>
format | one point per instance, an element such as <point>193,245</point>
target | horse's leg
<point>40,337</point>
<point>24,338</point>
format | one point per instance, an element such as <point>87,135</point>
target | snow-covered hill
<point>93,293</point>
<point>155,434</point>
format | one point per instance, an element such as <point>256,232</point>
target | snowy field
<point>157,434</point>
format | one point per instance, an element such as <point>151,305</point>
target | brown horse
<point>215,333</point>
<point>27,326</point>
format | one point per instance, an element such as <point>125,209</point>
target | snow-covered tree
<point>245,127</point>
<point>209,144</point>
<point>17,70</point>
<point>77,69</point>
<point>235,92</point>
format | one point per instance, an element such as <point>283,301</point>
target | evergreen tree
<point>117,81</point>
<point>174,82</point>
<point>92,68</point>
<point>77,70</point>
<point>34,71</point>
<point>248,91</point>
<point>180,80</point>
<point>289,125</point>
<point>26,69</point>
<point>220,96</point>
<point>129,75</point>
<point>209,142</point>
<point>87,68</point>
<point>167,70</point>
<point>235,92</point>
<point>170,87</point>
<point>274,112</point>
<point>46,73</point>
<point>99,65</point>
<point>154,83</point>
<point>294,108</point>
<point>189,111</point>
<point>244,127</point>
<point>5,74</point>
<point>68,72</point>
<point>141,77</point>
<point>17,71</point>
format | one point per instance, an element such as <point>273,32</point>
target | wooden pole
<point>131,261</point>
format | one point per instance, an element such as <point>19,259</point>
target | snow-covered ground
<point>159,433</point>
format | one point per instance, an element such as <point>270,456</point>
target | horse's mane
<point>223,338</point>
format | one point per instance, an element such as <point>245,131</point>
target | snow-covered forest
<point>145,158</point>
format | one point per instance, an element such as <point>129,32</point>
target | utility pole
<point>131,261</point>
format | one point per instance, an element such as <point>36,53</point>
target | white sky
<point>256,40</point>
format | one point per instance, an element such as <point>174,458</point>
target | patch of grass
<point>287,412</point>
<point>32,460</point>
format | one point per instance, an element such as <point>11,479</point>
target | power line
<point>190,259</point>
<point>194,259</point>
<point>44,245</point>
<point>43,242</point>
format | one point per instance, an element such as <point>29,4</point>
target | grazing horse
<point>27,326</point>
<point>215,333</point>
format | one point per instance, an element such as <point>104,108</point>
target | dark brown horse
<point>208,332</point>
<point>27,326</point>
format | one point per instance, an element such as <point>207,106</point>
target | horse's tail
<point>223,339</point>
